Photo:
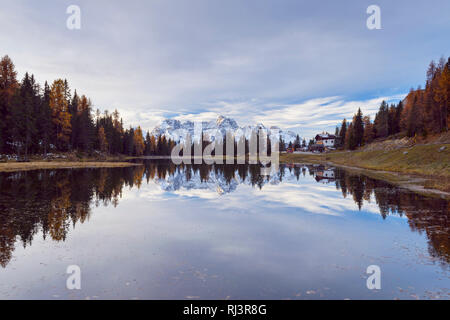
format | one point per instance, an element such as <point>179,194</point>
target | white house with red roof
<point>326,139</point>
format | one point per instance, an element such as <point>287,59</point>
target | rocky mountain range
<point>178,131</point>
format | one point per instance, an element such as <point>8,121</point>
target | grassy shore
<point>66,161</point>
<point>426,166</point>
<point>36,165</point>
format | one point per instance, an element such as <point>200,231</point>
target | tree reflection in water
<point>51,201</point>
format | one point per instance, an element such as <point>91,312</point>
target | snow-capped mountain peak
<point>178,131</point>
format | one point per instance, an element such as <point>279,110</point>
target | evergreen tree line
<point>297,144</point>
<point>244,144</point>
<point>422,112</point>
<point>220,143</point>
<point>36,120</point>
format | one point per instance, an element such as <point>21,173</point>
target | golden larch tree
<point>139,144</point>
<point>102,141</point>
<point>60,114</point>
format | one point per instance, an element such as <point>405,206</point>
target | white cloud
<point>306,118</point>
<point>248,60</point>
<point>318,114</point>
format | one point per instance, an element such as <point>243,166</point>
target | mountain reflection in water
<point>50,201</point>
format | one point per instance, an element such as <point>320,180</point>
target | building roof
<point>325,136</point>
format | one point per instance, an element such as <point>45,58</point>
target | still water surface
<point>161,231</point>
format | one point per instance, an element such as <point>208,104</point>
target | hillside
<point>430,161</point>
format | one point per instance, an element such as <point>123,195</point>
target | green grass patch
<point>426,161</point>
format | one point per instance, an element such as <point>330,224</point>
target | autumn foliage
<point>38,120</point>
<point>423,112</point>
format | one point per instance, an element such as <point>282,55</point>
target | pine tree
<point>358,129</point>
<point>413,120</point>
<point>103,143</point>
<point>67,95</point>
<point>23,115</point>
<point>369,132</point>
<point>117,135</point>
<point>350,142</point>
<point>86,129</point>
<point>398,115</point>
<point>35,146</point>
<point>8,87</point>
<point>382,121</point>
<point>297,142</point>
<point>44,122</point>
<point>128,142</point>
<point>60,114</point>
<point>32,122</point>
<point>74,121</point>
<point>282,144</point>
<point>153,144</point>
<point>139,145</point>
<point>343,133</point>
<point>442,97</point>
<point>147,149</point>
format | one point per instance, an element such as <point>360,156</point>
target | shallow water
<point>219,232</point>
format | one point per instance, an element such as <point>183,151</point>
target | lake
<point>161,231</point>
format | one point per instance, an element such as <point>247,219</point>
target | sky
<point>300,65</point>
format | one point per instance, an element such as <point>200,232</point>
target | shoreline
<point>43,165</point>
<point>403,180</point>
<point>404,167</point>
<point>416,180</point>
